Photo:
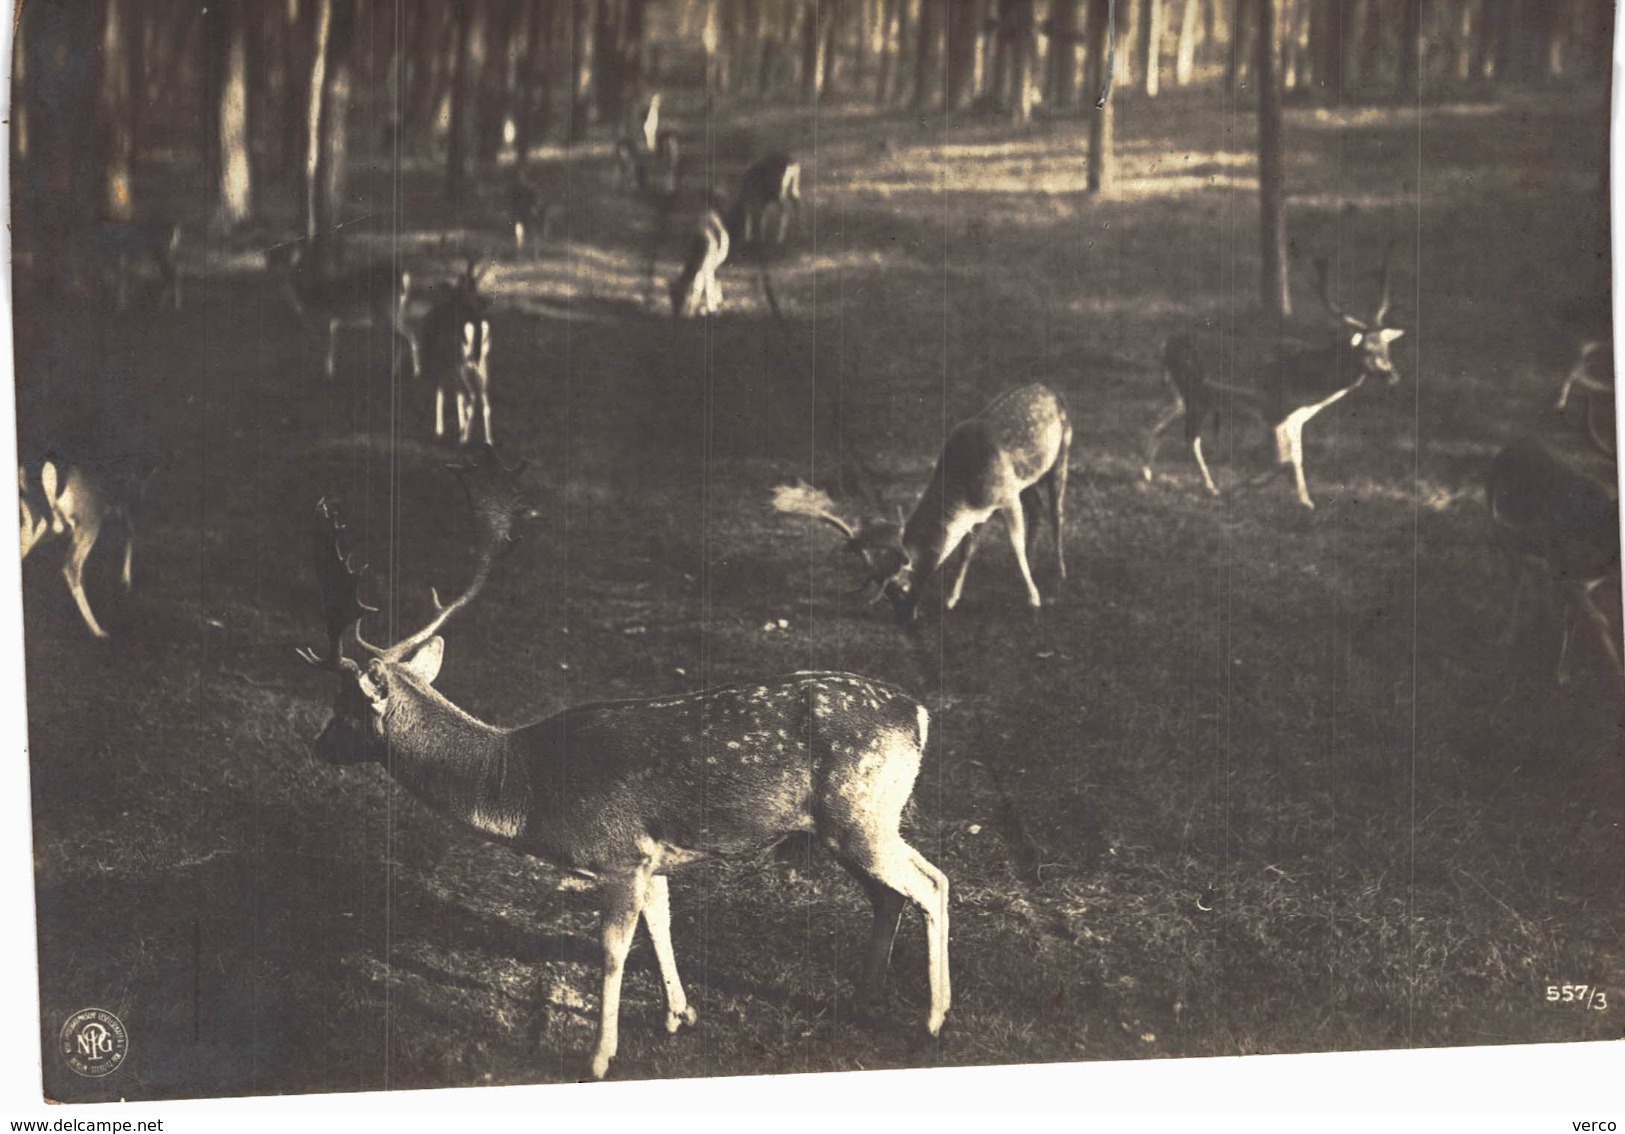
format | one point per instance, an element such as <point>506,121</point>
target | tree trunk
<point>333,148</point>
<point>117,120</point>
<point>530,119</point>
<point>1241,38</point>
<point>1410,51</point>
<point>1102,168</point>
<point>927,76</point>
<point>582,23</point>
<point>464,74</point>
<point>313,218</point>
<point>1019,30</point>
<point>1273,285</point>
<point>959,44</point>
<point>1151,47</point>
<point>226,156</point>
<point>1190,26</point>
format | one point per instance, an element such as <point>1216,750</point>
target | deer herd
<point>628,792</point>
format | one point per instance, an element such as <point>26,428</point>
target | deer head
<point>878,542</point>
<point>1369,340</point>
<point>370,680</point>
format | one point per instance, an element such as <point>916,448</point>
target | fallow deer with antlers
<point>1297,388</point>
<point>1004,460</point>
<point>627,792</point>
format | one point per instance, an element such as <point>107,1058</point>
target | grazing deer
<point>75,500</point>
<point>1551,518</point>
<point>775,179</point>
<point>998,461</point>
<point>1298,387</point>
<point>374,295</point>
<point>627,792</point>
<point>456,334</point>
<point>1593,375</point>
<point>635,165</point>
<point>124,245</point>
<point>528,212</point>
<point>696,290</point>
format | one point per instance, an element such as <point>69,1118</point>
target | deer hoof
<point>600,1065</point>
<point>675,1020</point>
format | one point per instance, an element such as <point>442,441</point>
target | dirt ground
<point>1255,779</point>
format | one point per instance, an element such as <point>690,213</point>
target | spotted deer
<point>75,500</point>
<point>374,295</point>
<point>696,290</point>
<point>1551,519</point>
<point>629,792</point>
<point>456,345</point>
<point>773,180</point>
<point>1298,387</point>
<point>1004,460</point>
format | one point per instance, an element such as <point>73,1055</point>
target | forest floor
<point>1256,779</point>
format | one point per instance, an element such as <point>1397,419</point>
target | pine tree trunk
<point>1101,173</point>
<point>333,147</point>
<point>927,76</point>
<point>117,123</point>
<point>314,219</point>
<point>226,155</point>
<point>1241,38</point>
<point>1190,26</point>
<point>530,120</point>
<point>583,19</point>
<point>1273,284</point>
<point>1151,47</point>
<point>1410,51</point>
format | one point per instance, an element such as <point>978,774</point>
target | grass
<point>1257,780</point>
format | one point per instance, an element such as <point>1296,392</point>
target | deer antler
<point>802,499</point>
<point>341,589</point>
<point>1323,280</point>
<point>499,501</point>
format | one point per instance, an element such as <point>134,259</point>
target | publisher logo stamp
<point>94,1042</point>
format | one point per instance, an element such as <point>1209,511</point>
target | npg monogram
<point>94,1042</point>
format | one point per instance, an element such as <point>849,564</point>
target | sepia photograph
<point>499,484</point>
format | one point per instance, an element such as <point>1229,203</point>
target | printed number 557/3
<point>1587,994</point>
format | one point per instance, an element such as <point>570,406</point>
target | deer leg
<point>623,898</point>
<point>1017,526</point>
<point>84,538</point>
<point>1568,616</point>
<point>439,409</point>
<point>888,910</point>
<point>485,409</point>
<point>1057,500</point>
<point>1289,449</point>
<point>1153,440</point>
<point>784,222</point>
<point>405,335</point>
<point>657,916</point>
<point>900,867</point>
<point>332,345</point>
<point>1201,463</point>
<point>1605,629</point>
<point>129,548</point>
<point>967,548</point>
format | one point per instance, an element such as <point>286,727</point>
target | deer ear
<point>1389,334</point>
<point>424,661</point>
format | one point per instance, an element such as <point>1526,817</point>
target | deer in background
<point>75,500</point>
<point>124,245</point>
<point>1004,460</point>
<point>1298,387</point>
<point>696,290</point>
<point>374,295</point>
<point>774,179</point>
<point>456,334</point>
<point>529,214</point>
<point>1553,520</point>
<point>628,792</point>
<point>645,148</point>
